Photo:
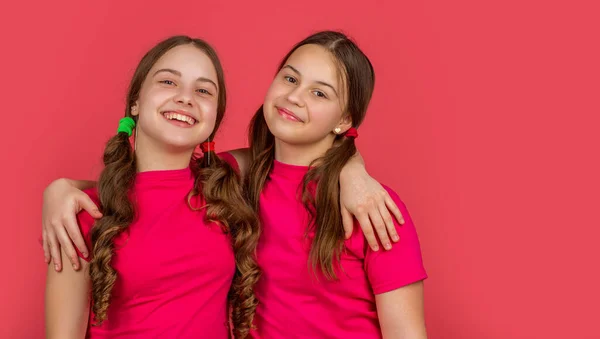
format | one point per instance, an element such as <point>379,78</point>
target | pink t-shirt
<point>293,303</point>
<point>174,270</point>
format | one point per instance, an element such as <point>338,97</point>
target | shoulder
<point>401,265</point>
<point>393,195</point>
<point>408,226</point>
<point>406,231</point>
<point>397,200</point>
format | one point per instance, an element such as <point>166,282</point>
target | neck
<point>301,154</point>
<point>152,157</point>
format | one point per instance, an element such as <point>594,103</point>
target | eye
<point>167,82</point>
<point>203,91</point>
<point>290,79</point>
<point>320,94</point>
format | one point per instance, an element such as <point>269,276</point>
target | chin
<point>280,130</point>
<point>181,145</point>
<point>291,137</point>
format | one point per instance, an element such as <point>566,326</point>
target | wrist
<point>352,169</point>
<point>59,182</point>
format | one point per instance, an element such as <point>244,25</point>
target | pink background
<point>485,120</point>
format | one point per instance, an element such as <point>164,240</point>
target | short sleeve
<point>86,222</point>
<point>230,159</point>
<point>403,264</point>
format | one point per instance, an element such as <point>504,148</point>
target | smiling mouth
<point>169,115</point>
<point>288,114</point>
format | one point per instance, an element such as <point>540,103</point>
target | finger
<point>45,247</point>
<point>367,229</point>
<point>67,247</point>
<point>391,205</point>
<point>88,205</point>
<point>74,233</point>
<point>380,228</point>
<point>54,250</point>
<point>347,221</point>
<point>389,222</point>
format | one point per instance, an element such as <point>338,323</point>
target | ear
<point>134,109</point>
<point>344,125</point>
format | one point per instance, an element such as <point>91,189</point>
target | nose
<point>295,97</point>
<point>184,97</point>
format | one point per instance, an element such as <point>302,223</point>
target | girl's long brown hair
<point>324,206</point>
<point>217,182</point>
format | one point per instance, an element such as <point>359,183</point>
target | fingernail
<point>376,248</point>
<point>388,246</point>
<point>402,221</point>
<point>74,266</point>
<point>396,238</point>
<point>84,254</point>
<point>56,267</point>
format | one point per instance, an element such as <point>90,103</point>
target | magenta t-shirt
<point>293,303</point>
<point>174,269</point>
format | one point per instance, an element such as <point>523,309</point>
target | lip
<point>180,112</point>
<point>286,113</point>
<point>188,114</point>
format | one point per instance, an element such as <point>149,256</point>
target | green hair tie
<point>126,125</point>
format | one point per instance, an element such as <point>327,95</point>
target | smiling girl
<point>316,283</point>
<point>165,251</point>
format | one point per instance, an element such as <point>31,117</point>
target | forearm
<point>355,166</point>
<point>81,184</point>
<point>357,159</point>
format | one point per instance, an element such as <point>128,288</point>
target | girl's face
<point>307,99</point>
<point>177,105</point>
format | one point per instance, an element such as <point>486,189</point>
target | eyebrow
<point>172,71</point>
<point>318,81</point>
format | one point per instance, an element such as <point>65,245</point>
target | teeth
<point>179,117</point>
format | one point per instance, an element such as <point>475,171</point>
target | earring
<point>337,130</point>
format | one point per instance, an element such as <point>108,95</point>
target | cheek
<point>326,115</point>
<point>208,109</point>
<point>275,90</point>
<point>152,97</point>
